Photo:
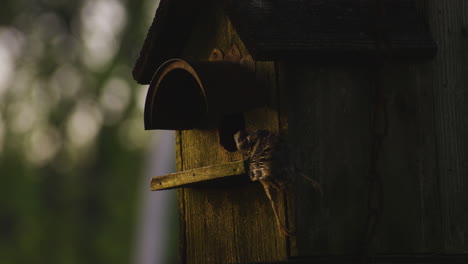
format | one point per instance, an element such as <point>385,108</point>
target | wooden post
<point>447,79</point>
<point>233,224</point>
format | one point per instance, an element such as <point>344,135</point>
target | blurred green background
<point>72,144</point>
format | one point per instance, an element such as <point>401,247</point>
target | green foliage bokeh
<point>72,143</point>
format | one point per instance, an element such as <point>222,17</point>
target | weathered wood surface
<point>231,224</point>
<point>448,79</point>
<point>199,175</point>
<point>329,108</point>
<point>408,164</point>
<point>423,161</point>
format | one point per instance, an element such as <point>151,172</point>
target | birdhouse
<point>335,80</point>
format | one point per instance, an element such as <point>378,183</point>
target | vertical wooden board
<point>231,224</point>
<point>328,118</point>
<point>407,165</point>
<point>181,201</point>
<point>447,21</point>
<point>278,101</point>
<point>331,108</point>
<point>427,163</point>
<point>464,184</point>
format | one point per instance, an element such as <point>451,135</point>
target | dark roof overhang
<point>167,36</point>
<point>324,31</point>
<point>321,31</point>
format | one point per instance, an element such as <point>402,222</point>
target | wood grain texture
<point>230,224</point>
<point>181,200</point>
<point>408,163</point>
<point>328,108</point>
<point>424,161</point>
<point>448,80</point>
<point>199,175</point>
<point>225,225</point>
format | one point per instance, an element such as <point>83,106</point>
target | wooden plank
<point>233,223</point>
<point>411,207</point>
<point>448,80</point>
<point>328,107</point>
<point>424,160</point>
<point>181,200</point>
<point>198,175</point>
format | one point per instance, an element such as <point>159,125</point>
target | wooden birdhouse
<point>339,81</point>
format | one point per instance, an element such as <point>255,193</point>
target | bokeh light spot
<point>2,134</point>
<point>43,145</point>
<point>102,21</point>
<point>66,81</point>
<point>11,44</point>
<point>114,99</point>
<point>84,124</point>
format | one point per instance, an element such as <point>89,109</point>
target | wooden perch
<point>189,177</point>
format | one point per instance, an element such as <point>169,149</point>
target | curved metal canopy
<point>186,95</point>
